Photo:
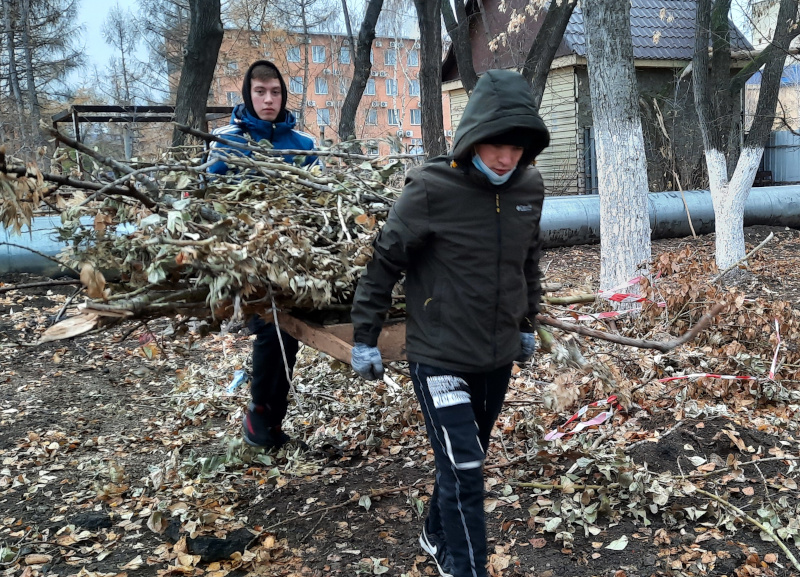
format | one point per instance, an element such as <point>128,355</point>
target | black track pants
<point>269,386</point>
<point>460,410</point>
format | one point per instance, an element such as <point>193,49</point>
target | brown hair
<point>264,72</point>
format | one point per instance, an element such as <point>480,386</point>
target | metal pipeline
<point>572,220</point>
<point>566,221</point>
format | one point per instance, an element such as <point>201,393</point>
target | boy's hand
<point>367,362</point>
<point>527,348</point>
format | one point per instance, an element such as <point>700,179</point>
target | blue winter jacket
<point>282,135</point>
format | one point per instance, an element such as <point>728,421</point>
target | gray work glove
<point>367,362</point>
<point>527,348</point>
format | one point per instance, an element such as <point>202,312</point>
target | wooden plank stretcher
<point>337,340</point>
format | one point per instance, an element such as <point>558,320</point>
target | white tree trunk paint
<point>622,184</point>
<point>729,198</point>
<point>621,162</point>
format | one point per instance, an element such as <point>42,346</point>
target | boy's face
<point>500,158</point>
<point>267,98</point>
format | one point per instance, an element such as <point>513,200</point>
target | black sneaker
<point>434,546</point>
<point>257,433</point>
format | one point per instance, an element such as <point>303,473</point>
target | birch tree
<point>621,163</point>
<point>715,92</point>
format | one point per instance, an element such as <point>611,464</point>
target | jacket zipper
<point>497,272</point>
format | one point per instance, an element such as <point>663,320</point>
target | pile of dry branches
<point>175,238</point>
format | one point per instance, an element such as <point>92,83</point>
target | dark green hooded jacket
<point>470,249</point>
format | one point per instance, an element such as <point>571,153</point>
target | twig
<point>295,152</point>
<point>570,300</point>
<point>745,257</point>
<point>66,304</point>
<point>341,218</point>
<point>41,254</point>
<point>743,463</point>
<point>353,499</point>
<point>15,287</point>
<point>559,487</point>
<point>744,515</point>
<point>108,161</point>
<point>664,347</point>
<point>86,185</point>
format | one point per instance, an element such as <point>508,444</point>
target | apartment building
<point>318,69</point>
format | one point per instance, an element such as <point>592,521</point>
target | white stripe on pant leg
<point>460,466</point>
<point>427,409</point>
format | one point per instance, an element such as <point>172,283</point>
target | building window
<point>344,55</point>
<point>296,84</point>
<point>390,57</point>
<point>344,85</point>
<point>369,90</point>
<point>233,98</point>
<point>372,116</point>
<point>293,54</point>
<point>413,57</point>
<point>318,54</point>
<point>416,116</point>
<point>372,149</point>
<point>393,117</point>
<point>391,87</point>
<point>371,56</point>
<point>323,117</point>
<point>254,40</point>
<point>321,85</point>
<point>233,66</point>
<point>416,146</point>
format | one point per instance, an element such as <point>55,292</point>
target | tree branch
<point>664,347</point>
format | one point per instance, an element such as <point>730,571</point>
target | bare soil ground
<point>120,451</point>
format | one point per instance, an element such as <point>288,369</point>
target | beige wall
<point>560,163</point>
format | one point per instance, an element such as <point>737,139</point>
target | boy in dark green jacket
<point>466,233</point>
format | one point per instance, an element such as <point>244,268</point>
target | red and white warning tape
<point>614,295</point>
<point>599,419</point>
<point>708,375</point>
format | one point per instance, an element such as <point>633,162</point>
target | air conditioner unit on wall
<point>345,42</point>
<point>382,73</point>
<point>336,72</point>
<point>416,44</point>
<point>392,44</point>
<point>310,103</point>
<point>448,133</point>
<point>384,104</point>
<point>409,133</point>
<point>329,103</point>
<point>400,133</point>
<point>375,104</point>
<point>374,73</point>
<point>378,43</point>
<point>326,70</point>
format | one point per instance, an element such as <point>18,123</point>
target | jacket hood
<point>501,102</point>
<point>253,124</point>
<point>248,101</point>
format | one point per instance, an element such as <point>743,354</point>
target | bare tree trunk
<point>197,72</point>
<point>301,122</point>
<point>545,46</point>
<point>30,78</point>
<point>459,34</point>
<point>347,24</point>
<point>731,178</point>
<point>361,69</point>
<point>487,32</point>
<point>429,16</point>
<point>13,75</point>
<point>622,167</point>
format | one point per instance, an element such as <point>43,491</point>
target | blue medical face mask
<point>493,177</point>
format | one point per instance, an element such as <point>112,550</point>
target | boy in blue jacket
<point>263,116</point>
